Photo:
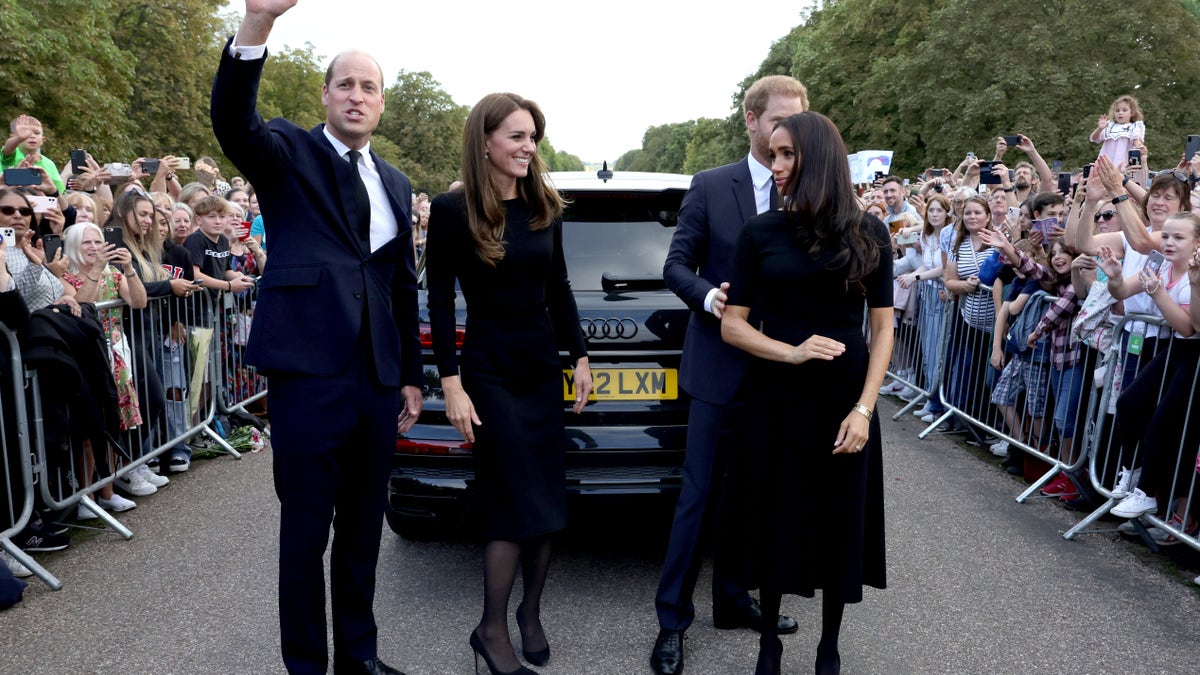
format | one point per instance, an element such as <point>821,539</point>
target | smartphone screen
<point>112,235</point>
<point>1044,225</point>
<point>985,174</point>
<point>1135,158</point>
<point>51,244</point>
<point>1012,140</point>
<point>150,166</point>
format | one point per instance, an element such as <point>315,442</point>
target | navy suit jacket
<point>319,286</point>
<point>716,206</point>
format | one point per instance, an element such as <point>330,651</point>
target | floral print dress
<point>110,319</point>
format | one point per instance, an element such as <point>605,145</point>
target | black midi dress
<point>796,517</point>
<point>518,314</point>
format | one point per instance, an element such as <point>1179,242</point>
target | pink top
<point>1117,139</point>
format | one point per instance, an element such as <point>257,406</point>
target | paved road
<point>978,584</point>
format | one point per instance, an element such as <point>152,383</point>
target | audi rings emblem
<point>610,329</point>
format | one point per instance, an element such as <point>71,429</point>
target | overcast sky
<point>602,71</point>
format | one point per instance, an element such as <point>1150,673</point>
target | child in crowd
<point>209,248</point>
<point>1144,415</point>
<point>25,140</point>
<point>1121,130</point>
<point>1024,371</point>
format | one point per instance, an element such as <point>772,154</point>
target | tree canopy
<point>934,79</point>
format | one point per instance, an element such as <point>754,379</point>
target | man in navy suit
<point>697,268</point>
<point>335,330</point>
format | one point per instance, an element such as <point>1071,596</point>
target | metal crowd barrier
<point>14,445</point>
<point>178,350</point>
<point>243,385</point>
<point>1111,462</point>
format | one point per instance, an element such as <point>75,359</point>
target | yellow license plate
<point>627,384</point>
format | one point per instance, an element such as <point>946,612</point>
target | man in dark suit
<point>335,330</point>
<point>697,268</point>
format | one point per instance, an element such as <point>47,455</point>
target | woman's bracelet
<point>863,410</point>
<point>91,278</point>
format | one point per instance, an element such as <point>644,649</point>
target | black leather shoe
<point>369,667</point>
<point>667,657</point>
<point>750,616</point>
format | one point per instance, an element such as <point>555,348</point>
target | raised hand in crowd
<point>23,127</point>
<point>1001,147</point>
<point>55,218</point>
<point>1102,122</point>
<point>918,202</point>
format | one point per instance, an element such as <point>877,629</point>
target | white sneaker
<point>1196,581</point>
<point>133,483</point>
<point>117,503</point>
<point>891,389</point>
<point>1135,505</point>
<point>151,477</point>
<point>14,566</point>
<point>928,418</point>
<point>82,512</point>
<point>1125,480</point>
<point>923,410</point>
<point>999,448</point>
<point>907,394</point>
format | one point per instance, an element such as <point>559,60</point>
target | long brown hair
<point>484,203</point>
<point>946,206</point>
<point>820,197</point>
<point>146,250</point>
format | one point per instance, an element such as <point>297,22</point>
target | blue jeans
<point>1067,385</point>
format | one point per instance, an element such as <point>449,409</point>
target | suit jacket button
<point>357,295</point>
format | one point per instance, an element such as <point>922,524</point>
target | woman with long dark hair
<point>805,504</point>
<point>500,236</point>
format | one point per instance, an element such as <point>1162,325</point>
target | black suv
<point>630,439</point>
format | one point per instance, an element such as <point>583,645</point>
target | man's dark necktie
<point>774,195</point>
<point>362,202</point>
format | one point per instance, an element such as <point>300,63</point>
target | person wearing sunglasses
<point>1140,233</point>
<point>38,281</point>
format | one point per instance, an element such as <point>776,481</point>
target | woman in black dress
<point>500,236</point>
<point>804,508</point>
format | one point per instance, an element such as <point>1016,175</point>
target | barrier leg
<point>1038,484</point>
<point>105,517</point>
<point>38,571</point>
<point>220,443</point>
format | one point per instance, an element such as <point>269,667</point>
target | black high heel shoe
<point>477,647</point>
<point>539,658</point>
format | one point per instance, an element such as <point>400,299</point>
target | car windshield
<point>616,241</point>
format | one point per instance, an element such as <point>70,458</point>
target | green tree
<point>557,160</point>
<point>940,77</point>
<point>426,127</point>
<point>291,87</point>
<point>715,142</point>
<point>173,47</point>
<point>61,64</point>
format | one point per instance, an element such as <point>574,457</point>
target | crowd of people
<point>1042,268</point>
<point>84,233</point>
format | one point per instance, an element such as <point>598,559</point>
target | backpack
<point>1024,323</point>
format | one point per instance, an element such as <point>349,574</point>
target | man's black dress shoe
<point>369,667</point>
<point>667,657</point>
<point>750,616</point>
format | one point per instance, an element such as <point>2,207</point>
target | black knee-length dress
<point>518,313</point>
<point>796,517</point>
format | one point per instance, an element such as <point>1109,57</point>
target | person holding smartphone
<point>210,249</point>
<point>38,280</point>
